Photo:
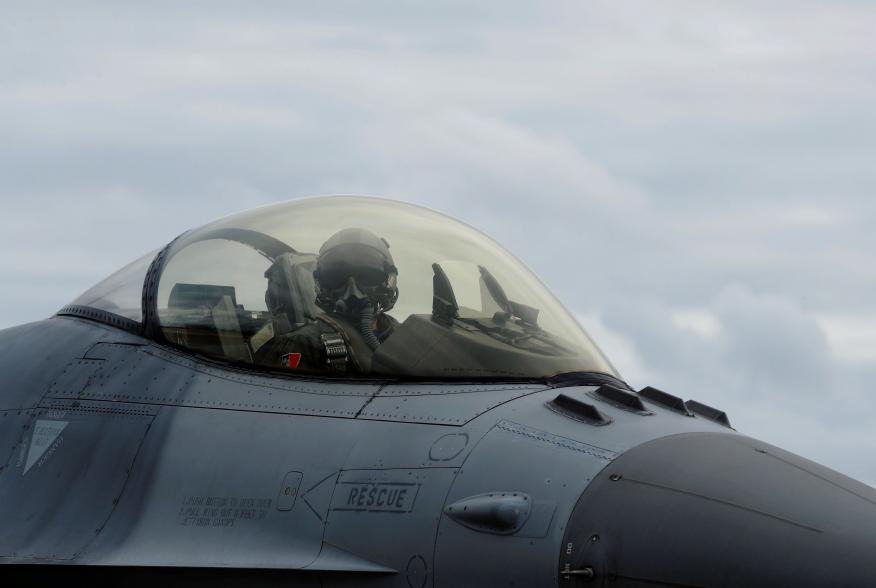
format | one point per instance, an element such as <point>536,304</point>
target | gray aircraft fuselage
<point>128,461</point>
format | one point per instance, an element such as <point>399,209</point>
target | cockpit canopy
<point>243,289</point>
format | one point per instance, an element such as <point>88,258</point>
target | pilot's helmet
<point>355,271</point>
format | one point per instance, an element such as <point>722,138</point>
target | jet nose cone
<point>716,510</point>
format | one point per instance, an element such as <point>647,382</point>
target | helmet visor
<point>337,275</point>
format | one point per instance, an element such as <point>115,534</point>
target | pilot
<point>356,284</point>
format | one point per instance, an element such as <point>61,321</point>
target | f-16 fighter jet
<point>359,392</point>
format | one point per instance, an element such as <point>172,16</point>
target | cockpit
<point>350,287</point>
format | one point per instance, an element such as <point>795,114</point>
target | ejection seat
<point>291,301</point>
<point>291,293</point>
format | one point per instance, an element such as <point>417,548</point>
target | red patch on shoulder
<point>291,360</point>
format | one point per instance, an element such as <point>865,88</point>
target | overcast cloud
<point>694,179</point>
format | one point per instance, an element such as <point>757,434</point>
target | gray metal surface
<point>206,492</point>
<point>146,373</point>
<point>33,355</point>
<point>124,461</point>
<point>429,403</point>
<point>725,511</point>
<point>69,454</point>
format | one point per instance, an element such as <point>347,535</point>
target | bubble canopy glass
<point>466,307</point>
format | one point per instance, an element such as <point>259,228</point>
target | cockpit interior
<point>351,287</point>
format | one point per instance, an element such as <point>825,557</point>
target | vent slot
<point>706,411</point>
<point>577,410</point>
<point>664,399</point>
<point>620,399</point>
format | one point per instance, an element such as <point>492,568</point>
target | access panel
<point>67,471</point>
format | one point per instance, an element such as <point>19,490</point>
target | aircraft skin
<point>130,460</point>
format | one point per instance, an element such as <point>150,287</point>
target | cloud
<point>851,336</point>
<point>693,179</point>
<point>762,358</point>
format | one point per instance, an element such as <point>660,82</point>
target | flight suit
<point>330,344</point>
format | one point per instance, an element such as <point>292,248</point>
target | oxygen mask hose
<point>366,320</point>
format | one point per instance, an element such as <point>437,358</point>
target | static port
<point>585,573</point>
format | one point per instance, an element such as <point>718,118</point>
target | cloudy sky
<point>694,179</point>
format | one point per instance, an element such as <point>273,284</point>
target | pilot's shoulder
<point>388,323</point>
<point>330,324</point>
<point>311,330</point>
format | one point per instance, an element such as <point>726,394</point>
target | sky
<point>693,179</point>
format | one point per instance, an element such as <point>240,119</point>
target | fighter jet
<point>359,392</point>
